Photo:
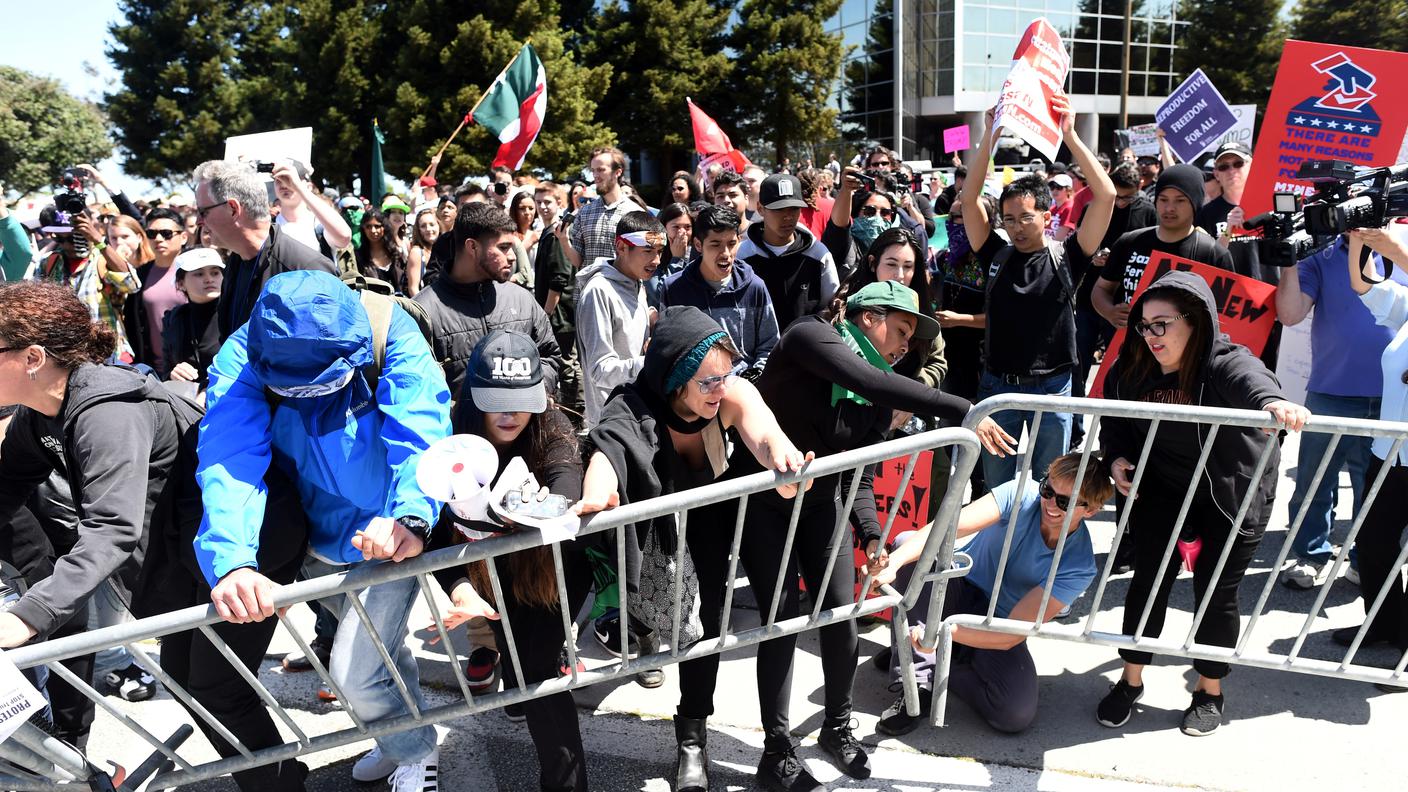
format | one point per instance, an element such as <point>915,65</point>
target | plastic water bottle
<point>9,595</point>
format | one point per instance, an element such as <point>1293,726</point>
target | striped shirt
<point>593,233</point>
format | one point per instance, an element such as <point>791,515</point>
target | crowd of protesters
<point>218,395</point>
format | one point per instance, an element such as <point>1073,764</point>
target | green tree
<point>446,58</point>
<point>785,67</point>
<point>645,104</point>
<point>44,129</point>
<point>1237,44</point>
<point>1380,24</point>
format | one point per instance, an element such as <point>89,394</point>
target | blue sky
<point>61,47</point>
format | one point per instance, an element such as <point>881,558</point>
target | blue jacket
<point>743,306</point>
<point>351,456</point>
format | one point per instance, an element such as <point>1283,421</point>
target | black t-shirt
<point>1246,256</point>
<point>1178,445</point>
<point>1123,219</point>
<point>1031,328</point>
<point>1130,254</point>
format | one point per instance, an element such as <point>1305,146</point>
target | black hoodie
<point>127,448</point>
<point>1232,377</point>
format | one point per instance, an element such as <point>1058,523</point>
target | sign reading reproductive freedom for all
<point>1194,116</point>
<point>1246,307</point>
<point>1039,69</point>
<point>1328,102</point>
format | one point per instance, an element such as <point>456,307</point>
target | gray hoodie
<point>613,322</point>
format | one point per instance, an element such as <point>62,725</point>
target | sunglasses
<point>871,211</point>
<point>709,385</point>
<point>164,233</point>
<point>1156,328</point>
<point>1063,502</point>
<point>1230,164</point>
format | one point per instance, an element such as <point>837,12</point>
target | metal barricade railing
<point>941,561</point>
<point>37,762</point>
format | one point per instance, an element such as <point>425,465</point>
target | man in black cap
<point>795,266</point>
<point>1178,197</point>
<point>1223,216</point>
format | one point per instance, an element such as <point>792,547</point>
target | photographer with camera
<point>304,214</point>
<point>74,178</point>
<point>82,260</point>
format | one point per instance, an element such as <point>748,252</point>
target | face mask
<point>865,229</point>
<point>958,245</point>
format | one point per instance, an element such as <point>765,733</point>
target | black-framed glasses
<point>1124,200</point>
<point>202,211</point>
<point>1063,502</point>
<point>871,211</point>
<point>1156,328</point>
<point>164,233</point>
<point>708,385</point>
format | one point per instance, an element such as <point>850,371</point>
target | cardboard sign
<point>1246,307</point>
<point>1142,139</point>
<point>18,698</point>
<point>1039,68</point>
<point>294,144</point>
<point>913,506</point>
<point>1194,116</point>
<point>956,139</point>
<point>1244,131</point>
<point>1328,102</point>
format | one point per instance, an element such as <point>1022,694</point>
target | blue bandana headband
<point>690,363</point>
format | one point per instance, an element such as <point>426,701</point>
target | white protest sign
<point>1039,68</point>
<point>18,698</point>
<point>294,144</point>
<point>1143,139</point>
<point>1243,132</point>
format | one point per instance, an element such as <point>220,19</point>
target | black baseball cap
<point>506,375</point>
<point>1233,147</point>
<point>781,191</point>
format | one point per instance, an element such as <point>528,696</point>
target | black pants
<point>765,532</point>
<point>538,636</point>
<point>1379,542</point>
<point>1150,526</point>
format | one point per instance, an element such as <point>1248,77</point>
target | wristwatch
<point>418,525</point>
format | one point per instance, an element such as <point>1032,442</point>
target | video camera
<point>1346,197</point>
<point>70,204</point>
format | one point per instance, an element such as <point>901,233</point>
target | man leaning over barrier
<point>994,672</point>
<point>301,386</point>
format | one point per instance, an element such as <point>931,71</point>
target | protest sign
<point>19,700</point>
<point>1246,307</point>
<point>1143,139</point>
<point>282,144</point>
<point>913,506</point>
<point>1194,116</point>
<point>1039,68</point>
<point>1244,131</point>
<point>956,139</point>
<point>1328,102</point>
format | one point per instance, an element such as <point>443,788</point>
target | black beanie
<point>1187,179</point>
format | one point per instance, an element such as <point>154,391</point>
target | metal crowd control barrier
<point>37,762</point>
<point>942,630</point>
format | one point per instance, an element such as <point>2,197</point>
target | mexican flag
<point>514,107</point>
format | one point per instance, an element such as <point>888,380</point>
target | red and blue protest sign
<point>1328,102</point>
<point>1194,116</point>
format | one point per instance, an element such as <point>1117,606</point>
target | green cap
<point>393,203</point>
<point>899,297</point>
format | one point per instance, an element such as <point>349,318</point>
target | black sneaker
<point>784,772</point>
<point>514,713</point>
<point>132,683</point>
<point>295,662</point>
<point>1203,716</point>
<point>1344,636</point>
<point>895,721</point>
<point>1118,704</point>
<point>846,751</point>
<point>608,633</point>
<point>482,670</point>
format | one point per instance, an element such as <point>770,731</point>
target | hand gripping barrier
<point>38,762</point>
<point>942,630</point>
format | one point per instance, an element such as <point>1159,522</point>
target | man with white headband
<point>342,401</point>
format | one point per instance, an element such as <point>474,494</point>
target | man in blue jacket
<point>294,387</point>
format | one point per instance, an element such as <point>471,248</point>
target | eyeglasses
<point>1063,502</point>
<point>1124,200</point>
<point>202,211</point>
<point>871,211</point>
<point>1230,164</point>
<point>1156,328</point>
<point>1025,219</point>
<point>709,385</point>
<point>164,233</point>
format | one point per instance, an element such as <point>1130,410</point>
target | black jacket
<point>127,449</point>
<point>462,314</point>
<point>1231,377</point>
<point>798,280</point>
<point>245,279</point>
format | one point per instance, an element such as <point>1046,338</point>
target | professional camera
<point>1346,197</point>
<point>72,201</point>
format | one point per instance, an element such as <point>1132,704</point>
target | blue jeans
<point>365,681</point>
<point>1051,441</point>
<point>1312,542</point>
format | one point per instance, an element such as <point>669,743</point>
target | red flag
<point>708,138</point>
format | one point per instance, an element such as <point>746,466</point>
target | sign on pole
<point>956,139</point>
<point>1194,116</point>
<point>1039,68</point>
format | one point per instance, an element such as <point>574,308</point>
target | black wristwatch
<point>417,524</point>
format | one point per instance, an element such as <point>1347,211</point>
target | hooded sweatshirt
<point>613,321</point>
<point>741,305</point>
<point>351,454</point>
<point>1231,377</point>
<point>126,448</point>
<point>800,279</point>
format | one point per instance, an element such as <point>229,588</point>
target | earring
<point>34,375</point>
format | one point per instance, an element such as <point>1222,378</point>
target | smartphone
<point>566,218</point>
<point>867,180</point>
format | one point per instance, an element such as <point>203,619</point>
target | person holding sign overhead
<point>1031,284</point>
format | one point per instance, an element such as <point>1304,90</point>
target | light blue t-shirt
<point>1030,559</point>
<point>1345,341</point>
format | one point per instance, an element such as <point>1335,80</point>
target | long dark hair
<point>1137,363</point>
<point>865,274</point>
<point>691,186</point>
<point>393,253</point>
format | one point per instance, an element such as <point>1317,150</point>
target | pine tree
<point>1380,24</point>
<point>447,56</point>
<point>44,129</point>
<point>1237,44</point>
<point>785,67</point>
<point>661,51</point>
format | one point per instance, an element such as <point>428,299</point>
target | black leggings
<point>765,532</point>
<point>1379,541</point>
<point>1150,526</point>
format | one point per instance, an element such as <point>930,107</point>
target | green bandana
<point>856,341</point>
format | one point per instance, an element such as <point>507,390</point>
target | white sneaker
<point>423,776</point>
<point>1302,575</point>
<point>372,767</point>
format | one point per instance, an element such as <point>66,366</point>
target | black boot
<point>692,759</point>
